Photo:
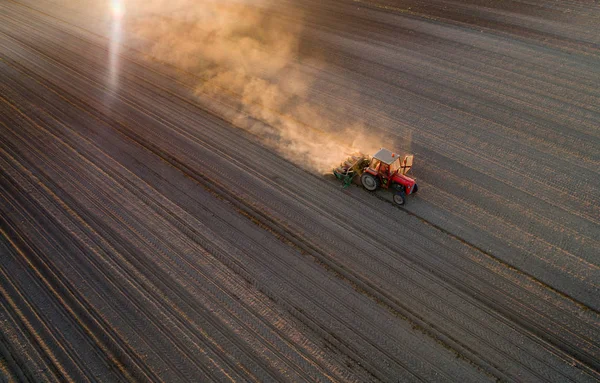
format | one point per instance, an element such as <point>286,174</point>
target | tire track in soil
<point>338,320</point>
<point>147,292</point>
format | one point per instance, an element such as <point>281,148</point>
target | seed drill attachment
<point>350,168</point>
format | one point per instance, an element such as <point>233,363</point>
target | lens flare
<point>117,8</point>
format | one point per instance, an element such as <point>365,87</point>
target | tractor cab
<point>386,164</point>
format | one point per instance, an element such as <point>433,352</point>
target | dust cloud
<point>245,53</point>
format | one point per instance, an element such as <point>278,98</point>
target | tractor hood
<point>408,183</point>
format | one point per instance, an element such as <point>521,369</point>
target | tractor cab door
<point>384,174</point>
<point>406,164</point>
<point>374,165</point>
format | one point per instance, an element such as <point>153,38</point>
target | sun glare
<point>117,8</point>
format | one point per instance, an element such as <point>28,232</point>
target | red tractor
<point>384,170</point>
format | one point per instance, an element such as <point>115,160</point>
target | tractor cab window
<point>395,166</point>
<point>374,164</point>
<point>383,169</point>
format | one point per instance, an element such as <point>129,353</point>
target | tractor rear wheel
<point>369,181</point>
<point>400,198</point>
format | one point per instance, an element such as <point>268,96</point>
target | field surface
<point>145,236</point>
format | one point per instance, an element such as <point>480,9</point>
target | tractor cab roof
<point>386,156</point>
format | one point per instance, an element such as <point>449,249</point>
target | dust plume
<point>245,53</point>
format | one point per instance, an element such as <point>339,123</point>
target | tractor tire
<point>399,198</point>
<point>369,181</point>
<point>415,189</point>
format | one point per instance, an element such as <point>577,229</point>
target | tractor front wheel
<point>369,181</point>
<point>400,198</point>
